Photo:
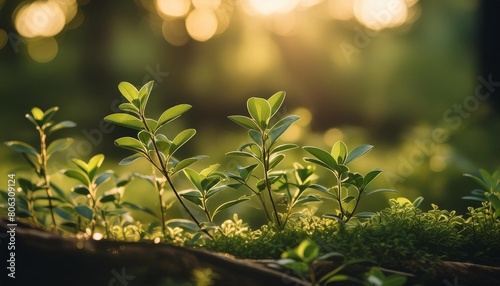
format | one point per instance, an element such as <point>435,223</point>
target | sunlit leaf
<point>193,196</point>
<point>21,147</point>
<point>172,113</point>
<point>276,160</point>
<point>187,162</point>
<point>284,147</point>
<point>81,190</point>
<point>339,152</point>
<point>49,113</point>
<point>244,121</point>
<point>77,175</point>
<point>281,126</point>
<point>181,139</point>
<point>128,91</point>
<point>275,101</point>
<point>144,93</point>
<point>59,126</point>
<point>59,145</point>
<point>245,172</point>
<point>260,111</point>
<point>371,192</point>
<point>228,205</point>
<point>130,143</point>
<point>130,159</point>
<point>37,114</point>
<point>194,178</point>
<point>126,120</point>
<point>370,176</point>
<point>94,164</point>
<point>129,107</point>
<point>307,200</point>
<point>325,157</point>
<point>357,152</point>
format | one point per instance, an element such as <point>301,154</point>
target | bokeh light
<point>341,9</point>
<point>201,24</point>
<point>43,50</point>
<point>268,7</point>
<point>173,8</point>
<point>40,19</point>
<point>381,14</point>
<point>174,31</point>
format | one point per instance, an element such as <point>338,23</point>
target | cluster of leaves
<point>490,191</point>
<point>29,201</point>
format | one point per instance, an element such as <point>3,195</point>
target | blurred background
<point>416,79</point>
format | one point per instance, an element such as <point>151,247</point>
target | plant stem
<point>265,155</point>
<point>339,199</point>
<point>44,175</point>
<point>163,169</point>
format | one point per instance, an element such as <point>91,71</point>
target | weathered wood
<point>47,259</point>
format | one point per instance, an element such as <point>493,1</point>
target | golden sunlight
<point>201,24</point>
<point>173,8</point>
<point>268,7</point>
<point>380,14</point>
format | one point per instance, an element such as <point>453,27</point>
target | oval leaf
<point>128,91</point>
<point>339,152</point>
<point>126,120</point>
<point>21,147</point>
<point>84,211</point>
<point>181,139</point>
<point>172,113</point>
<point>358,152</point>
<point>244,121</point>
<point>275,101</point>
<point>260,111</point>
<point>227,205</point>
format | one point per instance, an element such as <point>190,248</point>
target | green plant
<point>349,186</point>
<point>490,192</point>
<point>263,148</point>
<point>207,187</point>
<point>150,144</point>
<point>39,159</point>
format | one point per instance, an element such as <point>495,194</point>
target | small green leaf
<point>62,213</point>
<point>107,198</point>
<point>214,191</point>
<point>194,178</point>
<point>37,114</point>
<point>244,121</point>
<point>193,196</point>
<point>59,145</point>
<point>228,205</point>
<point>209,170</point>
<point>325,157</point>
<point>370,176</point>
<point>494,199</point>
<point>81,164</point>
<point>307,200</point>
<point>59,126</point>
<point>357,152</point>
<point>281,126</point>
<point>84,211</point>
<point>49,113</point>
<point>130,159</point>
<point>245,172</point>
<point>152,124</point>
<point>81,190</point>
<point>242,153</point>
<point>308,250</point>
<point>275,101</point>
<point>181,139</point>
<point>102,178</point>
<point>260,110</point>
<point>339,152</point>
<point>256,136</point>
<point>129,107</point>
<point>371,192</point>
<point>126,120</point>
<point>187,162</point>
<point>364,214</point>
<point>320,188</point>
<point>144,93</point>
<point>128,91</point>
<point>284,147</point>
<point>276,160</point>
<point>21,147</point>
<point>94,164</point>
<point>131,144</point>
<point>172,113</point>
<point>78,176</point>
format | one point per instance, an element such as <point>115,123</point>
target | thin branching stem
<point>266,156</point>
<point>43,173</point>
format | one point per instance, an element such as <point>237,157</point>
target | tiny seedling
<point>490,191</point>
<point>349,186</point>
